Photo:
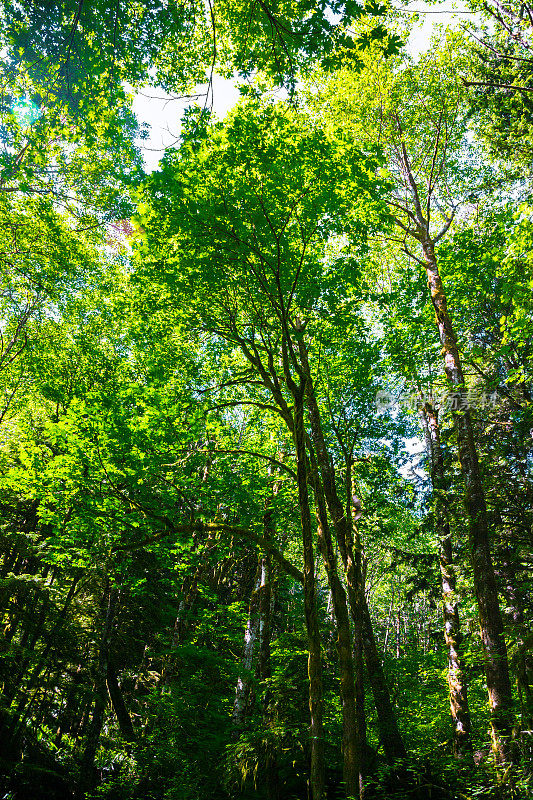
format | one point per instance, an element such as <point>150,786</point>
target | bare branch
<point>444,230</point>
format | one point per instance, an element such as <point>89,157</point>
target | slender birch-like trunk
<point>490,618</point>
<point>452,630</point>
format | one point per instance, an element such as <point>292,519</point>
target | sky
<point>162,112</point>
<point>447,12</point>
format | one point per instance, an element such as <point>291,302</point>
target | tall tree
<point>274,243</point>
<point>422,126</point>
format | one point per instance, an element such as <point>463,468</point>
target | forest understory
<point>266,420</point>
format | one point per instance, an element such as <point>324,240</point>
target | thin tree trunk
<point>119,706</point>
<point>387,628</point>
<point>343,532</point>
<point>389,733</point>
<point>398,649</point>
<point>22,711</point>
<point>264,619</point>
<point>352,755</point>
<point>266,610</point>
<point>490,618</point>
<point>82,722</point>
<point>100,691</point>
<point>316,700</point>
<point>67,719</point>
<point>10,557</point>
<point>265,671</point>
<point>352,556</point>
<point>182,621</point>
<point>452,630</point>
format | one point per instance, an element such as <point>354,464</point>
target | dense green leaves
<point>162,336</point>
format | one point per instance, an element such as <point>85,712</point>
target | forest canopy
<point>266,422</point>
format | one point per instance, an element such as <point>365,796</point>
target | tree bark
<point>490,618</point>
<point>352,556</point>
<point>352,566</point>
<point>457,682</point>
<point>265,671</point>
<point>316,701</point>
<point>351,746</point>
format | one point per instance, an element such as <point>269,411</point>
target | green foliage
<point>150,521</point>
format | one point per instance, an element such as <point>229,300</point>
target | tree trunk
<point>490,618</point>
<point>351,749</point>
<point>352,556</point>
<point>343,533</point>
<point>316,701</point>
<point>295,423</point>
<point>264,619</point>
<point>452,630</point>
<point>389,732</point>
<point>119,706</point>
<point>22,711</point>
<point>100,691</point>
<point>265,672</point>
<point>250,639</point>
